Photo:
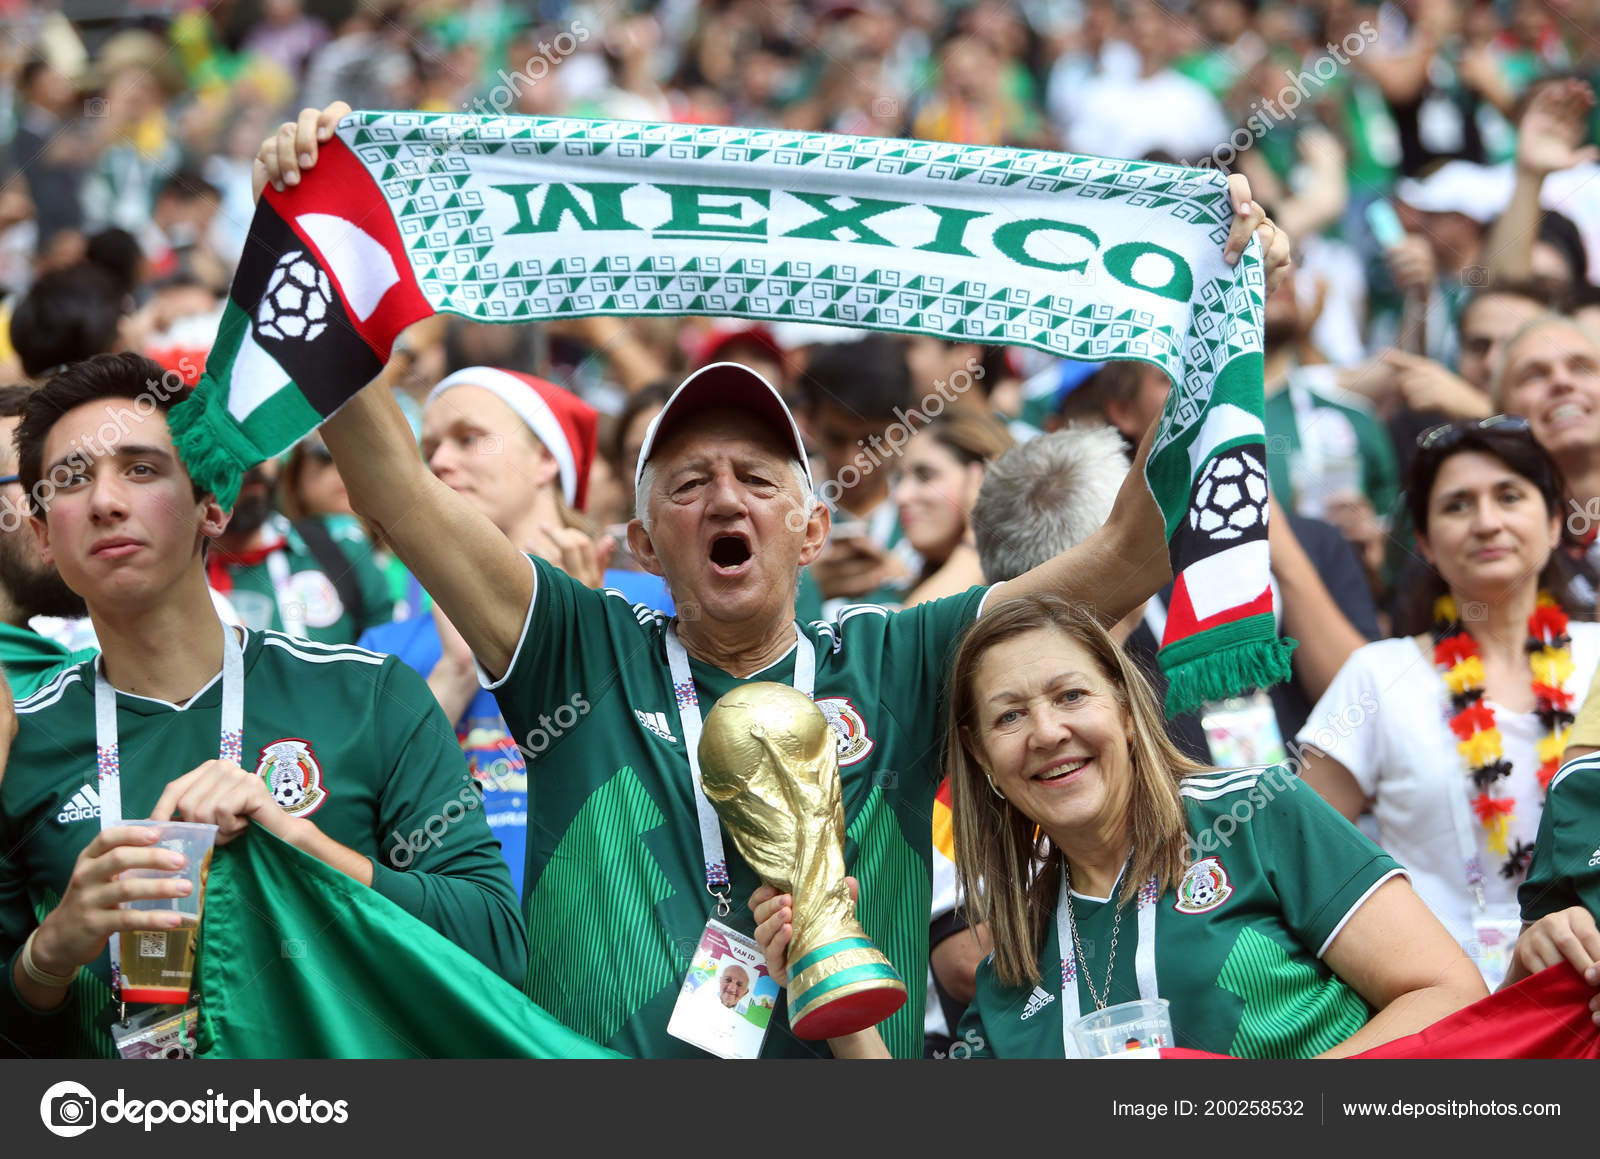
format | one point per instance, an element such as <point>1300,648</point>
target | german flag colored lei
<point>1478,739</point>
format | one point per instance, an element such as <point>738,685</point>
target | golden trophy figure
<point>769,764</point>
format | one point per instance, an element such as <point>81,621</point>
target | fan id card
<point>728,996</point>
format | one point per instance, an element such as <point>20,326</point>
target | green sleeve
<point>441,861</point>
<point>1320,865</point>
<point>1566,857</point>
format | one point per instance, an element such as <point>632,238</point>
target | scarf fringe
<point>1227,672</point>
<point>212,446</point>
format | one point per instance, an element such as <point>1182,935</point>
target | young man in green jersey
<point>341,752</point>
<point>605,698</point>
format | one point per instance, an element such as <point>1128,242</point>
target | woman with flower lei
<point>1450,737</point>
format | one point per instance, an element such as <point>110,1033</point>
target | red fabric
<point>1545,1016</point>
<point>344,189</point>
<point>580,423</point>
<point>219,563</point>
<point>1182,622</point>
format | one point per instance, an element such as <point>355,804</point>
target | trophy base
<point>843,987</point>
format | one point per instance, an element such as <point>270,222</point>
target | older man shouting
<point>626,861</point>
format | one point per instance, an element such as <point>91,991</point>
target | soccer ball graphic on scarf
<point>297,299</point>
<point>1231,498</point>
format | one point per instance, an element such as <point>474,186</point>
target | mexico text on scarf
<point>522,219</point>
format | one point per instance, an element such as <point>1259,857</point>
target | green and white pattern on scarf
<point>526,219</point>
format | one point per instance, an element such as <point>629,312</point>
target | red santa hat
<point>566,425</point>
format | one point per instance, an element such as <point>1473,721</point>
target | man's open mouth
<point>729,552</point>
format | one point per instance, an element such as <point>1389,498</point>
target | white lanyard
<point>1144,955</point>
<point>292,613</point>
<point>690,723</point>
<point>108,758</point>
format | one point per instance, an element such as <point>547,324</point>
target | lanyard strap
<point>108,757</point>
<point>690,723</point>
<point>1144,956</point>
<point>291,612</point>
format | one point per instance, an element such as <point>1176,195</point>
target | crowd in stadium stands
<point>1432,409</point>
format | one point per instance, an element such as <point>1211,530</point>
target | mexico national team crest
<point>293,776</point>
<point>1204,887</point>
<point>854,743</point>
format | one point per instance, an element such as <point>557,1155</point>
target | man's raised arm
<point>482,583</point>
<point>1126,561</point>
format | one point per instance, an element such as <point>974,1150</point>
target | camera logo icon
<point>68,1109</point>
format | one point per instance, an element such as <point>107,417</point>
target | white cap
<point>730,385</point>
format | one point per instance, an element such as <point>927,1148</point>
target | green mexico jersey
<point>312,590</point>
<point>348,739</point>
<point>615,889</point>
<point>1566,856</point>
<point>30,659</point>
<point>1239,944</point>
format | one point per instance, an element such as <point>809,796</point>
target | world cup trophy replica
<point>769,763</point>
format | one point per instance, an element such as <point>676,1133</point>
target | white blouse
<point>1386,718</point>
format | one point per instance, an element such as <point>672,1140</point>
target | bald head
<point>1550,374</point>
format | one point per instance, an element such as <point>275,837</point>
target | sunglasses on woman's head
<point>1446,435</point>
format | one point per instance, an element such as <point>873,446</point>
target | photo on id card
<point>727,998</point>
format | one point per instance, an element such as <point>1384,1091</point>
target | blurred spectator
<point>312,579</point>
<point>1437,83</point>
<point>1325,448</point>
<point>750,344</point>
<point>29,586</point>
<point>287,36</point>
<point>68,315</point>
<point>118,253</point>
<point>1156,110</point>
<point>176,238</point>
<point>48,147</point>
<point>310,484</point>
<point>1550,374</point>
<point>854,392</point>
<point>141,78</point>
<point>937,479</point>
<point>1550,138</point>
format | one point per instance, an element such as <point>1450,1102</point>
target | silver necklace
<point>1077,946</point>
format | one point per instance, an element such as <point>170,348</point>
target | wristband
<point>43,978</point>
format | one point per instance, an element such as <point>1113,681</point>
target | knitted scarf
<point>524,219</point>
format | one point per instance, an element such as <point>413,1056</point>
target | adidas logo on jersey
<point>1037,1001</point>
<point>84,806</point>
<point>656,722</point>
<point>1594,859</point>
